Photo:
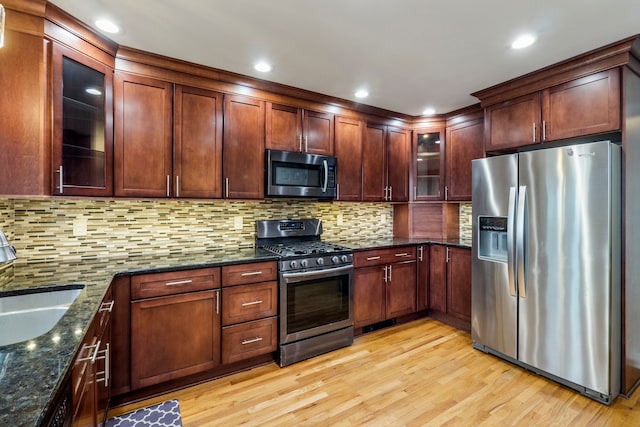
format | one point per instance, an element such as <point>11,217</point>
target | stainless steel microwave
<point>293,174</point>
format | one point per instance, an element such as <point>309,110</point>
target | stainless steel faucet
<point>7,252</point>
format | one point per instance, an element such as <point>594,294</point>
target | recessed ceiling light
<point>263,67</point>
<point>523,41</point>
<point>93,91</point>
<point>107,26</point>
<point>429,111</point>
<point>361,93</point>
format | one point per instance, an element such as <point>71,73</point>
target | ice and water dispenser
<point>492,238</point>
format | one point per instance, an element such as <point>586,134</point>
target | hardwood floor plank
<point>422,373</point>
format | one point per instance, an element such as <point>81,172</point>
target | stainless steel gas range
<point>315,286</point>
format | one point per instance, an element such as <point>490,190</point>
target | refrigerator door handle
<point>520,236</point>
<point>511,235</point>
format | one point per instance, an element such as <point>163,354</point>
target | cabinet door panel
<point>459,283</point>
<point>438,278</point>
<point>318,132</point>
<point>174,336</point>
<point>428,164</point>
<point>243,147</point>
<point>398,161</point>
<point>584,106</point>
<point>197,143</point>
<point>143,136</point>
<point>401,289</point>
<point>283,127</point>
<point>463,145</point>
<point>369,293</point>
<point>374,178</point>
<point>348,149</point>
<point>513,123</point>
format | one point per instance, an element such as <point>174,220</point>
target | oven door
<point>315,302</point>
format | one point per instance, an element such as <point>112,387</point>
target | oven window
<point>316,303</point>
<point>290,174</point>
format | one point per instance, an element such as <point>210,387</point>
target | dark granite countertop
<point>32,371</point>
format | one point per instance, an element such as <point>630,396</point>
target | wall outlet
<point>80,226</point>
<point>237,222</point>
<point>339,220</point>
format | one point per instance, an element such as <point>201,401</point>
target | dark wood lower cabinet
<point>450,284</point>
<point>174,336</point>
<point>369,293</point>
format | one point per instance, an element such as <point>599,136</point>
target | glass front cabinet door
<point>82,125</point>
<point>428,164</point>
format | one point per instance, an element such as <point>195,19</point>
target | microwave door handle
<point>326,176</point>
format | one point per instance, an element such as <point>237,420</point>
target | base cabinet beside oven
<point>249,310</point>
<point>384,284</point>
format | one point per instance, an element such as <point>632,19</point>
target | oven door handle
<point>318,273</point>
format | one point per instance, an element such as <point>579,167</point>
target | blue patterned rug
<point>165,414</point>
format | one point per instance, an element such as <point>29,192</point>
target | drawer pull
<point>251,273</point>
<point>246,304</point>
<point>106,306</point>
<point>251,341</point>
<point>402,254</point>
<point>91,357</point>
<point>179,282</point>
<point>372,258</point>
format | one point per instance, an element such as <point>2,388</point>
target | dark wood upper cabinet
<point>296,129</point>
<point>428,162</point>
<point>243,147</point>
<point>348,150</point>
<point>82,151</point>
<point>584,106</point>
<point>385,163</point>
<point>464,143</point>
<point>197,143</point>
<point>143,136</point>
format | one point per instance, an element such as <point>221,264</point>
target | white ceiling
<point>409,54</point>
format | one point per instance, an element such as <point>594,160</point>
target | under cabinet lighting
<point>107,26</point>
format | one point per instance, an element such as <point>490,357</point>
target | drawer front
<point>175,282</point>
<point>240,342</point>
<point>255,272</point>
<point>384,256</point>
<point>249,302</point>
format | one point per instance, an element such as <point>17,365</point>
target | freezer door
<point>493,297</point>
<point>565,276</point>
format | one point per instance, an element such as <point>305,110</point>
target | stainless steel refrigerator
<point>546,263</point>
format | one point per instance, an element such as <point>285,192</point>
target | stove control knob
<point>335,259</point>
<point>320,261</point>
<point>344,258</point>
<point>303,263</point>
<point>293,264</point>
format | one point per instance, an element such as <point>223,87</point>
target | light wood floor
<point>420,373</point>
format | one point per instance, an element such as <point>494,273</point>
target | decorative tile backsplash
<point>75,229</point>
<point>465,221</point>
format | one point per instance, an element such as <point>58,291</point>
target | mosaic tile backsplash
<point>465,221</point>
<point>54,229</point>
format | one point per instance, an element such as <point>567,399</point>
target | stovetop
<point>286,249</point>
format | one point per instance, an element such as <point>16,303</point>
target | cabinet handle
<point>306,143</point>
<point>60,184</point>
<point>226,187</point>
<point>106,307</point>
<point>390,193</point>
<point>217,302</point>
<point>389,273</point>
<point>372,258</point>
<point>385,274</point>
<point>251,341</point>
<point>106,372</point>
<point>447,256</point>
<point>179,282</point>
<point>337,191</point>
<point>247,304</point>
<point>402,254</point>
<point>177,186</point>
<point>446,192</point>
<point>300,143</point>
<point>420,252</point>
<point>168,185</point>
<point>92,355</point>
<point>415,192</point>
<point>386,190</point>
<point>534,132</point>
<point>544,130</point>
<point>251,273</point>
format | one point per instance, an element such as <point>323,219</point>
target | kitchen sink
<point>31,313</point>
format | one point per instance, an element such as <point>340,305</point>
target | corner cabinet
<point>584,106</point>
<point>348,149</point>
<point>82,149</point>
<point>450,285</point>
<point>296,129</point>
<point>385,163</point>
<point>243,147</point>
